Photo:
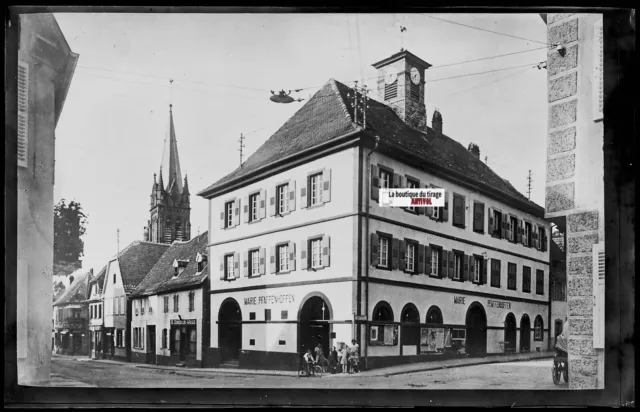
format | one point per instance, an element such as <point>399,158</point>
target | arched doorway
<point>510,333</point>
<point>476,322</point>
<point>410,329</point>
<point>381,317</point>
<point>434,316</point>
<point>229,330</point>
<point>313,326</point>
<point>525,333</point>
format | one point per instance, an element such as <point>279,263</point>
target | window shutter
<point>303,194</point>
<point>451,265</point>
<point>445,209</point>
<point>472,267</point>
<point>478,216</point>
<point>23,114</point>
<point>262,202</point>
<point>291,202</point>
<point>272,257</point>
<point>222,220</point>
<point>402,257</point>
<point>304,261</point>
<point>375,183</point>
<point>599,272</point>
<point>263,262</point>
<point>395,261</point>
<point>503,229</point>
<point>518,229</point>
<point>525,238</point>
<point>245,264</point>
<point>444,264</point>
<point>272,201</point>
<point>484,271</point>
<point>456,210</point>
<point>463,211</point>
<point>396,180</point>
<point>420,251</point>
<point>292,256</point>
<point>236,264</point>
<point>465,272</point>
<point>490,220</point>
<point>326,185</point>
<point>326,251</point>
<point>427,260</point>
<point>544,241</point>
<point>236,212</point>
<point>373,248</point>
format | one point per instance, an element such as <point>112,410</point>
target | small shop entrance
<point>476,322</point>
<point>151,333</point>
<point>314,328</point>
<point>510,332</point>
<point>525,334</point>
<point>230,331</point>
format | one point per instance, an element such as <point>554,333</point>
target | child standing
<point>344,359</point>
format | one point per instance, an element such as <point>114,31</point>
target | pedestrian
<point>354,356</point>
<point>333,360</point>
<point>344,359</point>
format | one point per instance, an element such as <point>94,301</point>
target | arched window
<point>167,231</point>
<point>410,314</point>
<point>434,315</point>
<point>538,327</point>
<point>382,312</point>
<point>383,334</point>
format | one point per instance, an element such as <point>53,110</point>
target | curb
<point>209,371</point>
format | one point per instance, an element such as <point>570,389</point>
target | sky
<point>110,135</point>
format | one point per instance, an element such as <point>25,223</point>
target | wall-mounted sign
<point>268,300</point>
<point>597,81</point>
<point>499,304</point>
<point>183,322</point>
<point>458,300</point>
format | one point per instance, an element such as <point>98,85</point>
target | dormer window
<point>201,259</point>
<point>178,266</point>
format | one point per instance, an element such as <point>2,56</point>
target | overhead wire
<point>491,82</point>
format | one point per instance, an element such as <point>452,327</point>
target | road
<point>515,375</point>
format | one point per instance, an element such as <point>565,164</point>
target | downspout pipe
<point>368,254</point>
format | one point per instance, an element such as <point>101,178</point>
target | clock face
<point>390,76</point>
<point>415,75</point>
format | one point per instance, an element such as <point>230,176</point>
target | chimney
<point>474,149</point>
<point>401,85</point>
<point>436,122</point>
<point>70,280</point>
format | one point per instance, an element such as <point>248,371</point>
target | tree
<point>69,226</point>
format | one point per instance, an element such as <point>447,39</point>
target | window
<point>410,256</point>
<point>252,316</point>
<point>458,210</point>
<point>526,279</point>
<point>391,90</point>
<point>281,198</point>
<point>176,340</point>
<point>252,342</point>
<point>539,282</point>
<point>229,267</point>
<point>193,342</point>
<point>176,300</point>
<point>513,229</point>
<point>164,339</point>
<point>478,217</point>
<point>142,305</point>
<point>167,231</point>
<point>412,184</point>
<point>542,239</point>
<point>253,207</point>
<point>192,301</point>
<point>496,221</point>
<point>434,315</point>
<point>166,304</point>
<point>315,189</point>
<point>114,278</point>
<point>254,261</point>
<point>267,314</point>
<point>436,258</point>
<point>538,327</point>
<point>558,327</point>
<point>435,213</point>
<point>284,315</point>
<point>495,273</point>
<point>459,335</point>
<point>283,258</point>
<point>458,266</point>
<point>527,233</point>
<point>477,269</point>
<point>385,179</point>
<point>120,338</point>
<point>100,311</point>
<point>316,253</point>
<point>228,214</point>
<point>558,290</point>
<point>383,334</point>
<point>511,276</point>
<point>383,251</point>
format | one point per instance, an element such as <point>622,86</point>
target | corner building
<point>305,255</point>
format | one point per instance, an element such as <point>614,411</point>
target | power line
<point>478,73</point>
<point>487,30</point>
<point>487,58</point>
<point>491,82</point>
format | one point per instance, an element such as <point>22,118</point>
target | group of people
<point>345,359</point>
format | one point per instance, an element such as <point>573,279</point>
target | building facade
<point>306,255</point>
<point>71,318</point>
<point>170,323</point>
<point>558,287</point>
<point>96,315</point>
<point>45,68</point>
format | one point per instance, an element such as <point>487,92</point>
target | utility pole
<point>360,104</point>
<point>529,185</point>
<point>241,141</point>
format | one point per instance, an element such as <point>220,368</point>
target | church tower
<point>170,207</point>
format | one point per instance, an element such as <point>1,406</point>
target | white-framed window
<point>255,262</point>
<point>527,233</point>
<point>315,189</point>
<point>254,213</point>
<point>281,198</point>
<point>383,248</point>
<point>411,184</point>
<point>435,213</point>
<point>229,267</point>
<point>411,257</point>
<point>228,214</point>
<point>477,269</point>
<point>537,328</point>
<point>385,179</point>
<point>457,273</point>
<point>316,253</point>
<point>435,261</point>
<point>283,258</point>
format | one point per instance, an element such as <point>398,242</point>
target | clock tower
<point>170,207</point>
<point>401,84</point>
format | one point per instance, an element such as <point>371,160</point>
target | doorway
<point>476,322</point>
<point>510,333</point>
<point>313,327</point>
<point>151,333</point>
<point>409,330</point>
<point>525,333</point>
<point>229,331</point>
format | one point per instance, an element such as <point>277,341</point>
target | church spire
<point>170,159</point>
<point>161,183</point>
<point>185,188</point>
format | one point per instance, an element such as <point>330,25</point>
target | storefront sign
<point>268,300</point>
<point>499,304</point>
<point>458,300</point>
<point>183,321</point>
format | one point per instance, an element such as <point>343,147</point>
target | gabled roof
<point>328,115</point>
<point>76,292</point>
<point>136,260</point>
<point>161,277</point>
<point>97,280</point>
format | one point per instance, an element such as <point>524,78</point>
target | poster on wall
<point>447,338</point>
<point>432,339</point>
<point>390,334</point>
<point>374,333</point>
